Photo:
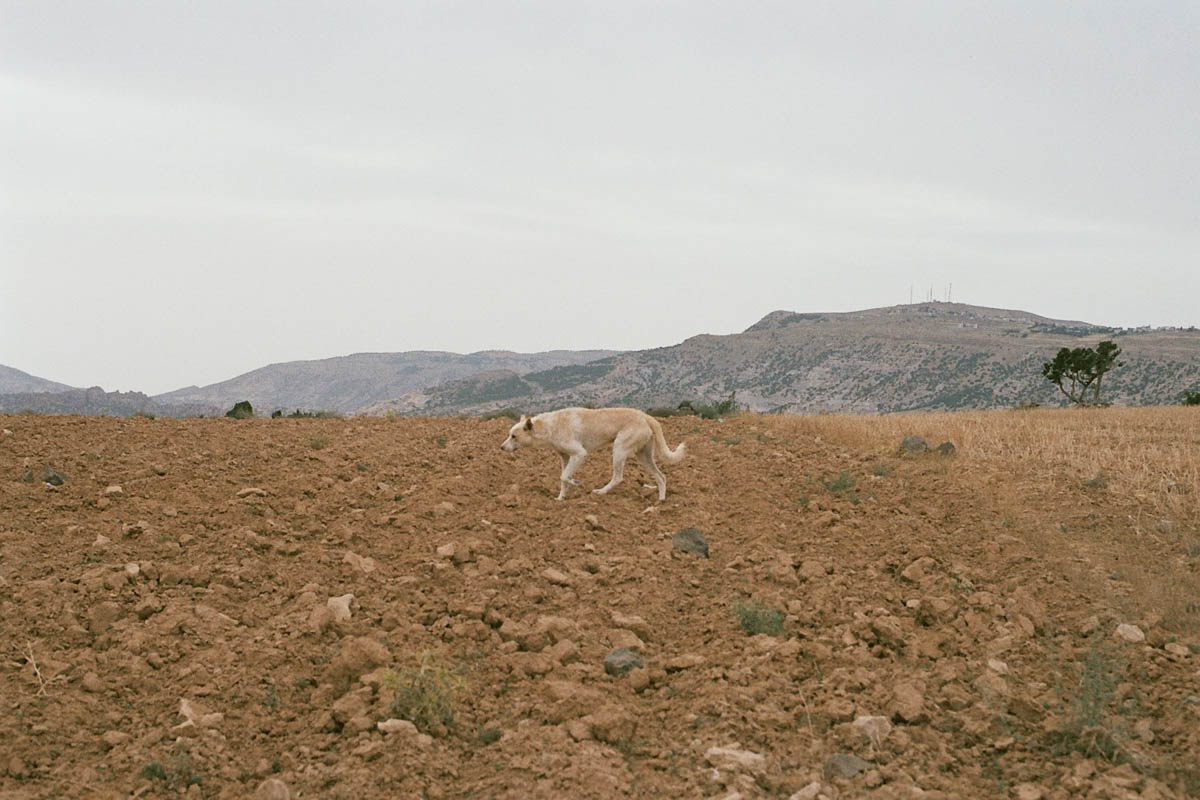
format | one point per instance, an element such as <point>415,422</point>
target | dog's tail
<point>661,451</point>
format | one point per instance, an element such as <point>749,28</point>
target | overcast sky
<point>190,190</point>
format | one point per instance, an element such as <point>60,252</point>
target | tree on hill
<point>1081,368</point>
<point>1191,398</point>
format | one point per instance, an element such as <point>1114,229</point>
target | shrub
<point>505,413</point>
<point>241,410</point>
<point>670,412</point>
<point>1089,726</point>
<point>1191,398</point>
<point>755,618</point>
<point>426,695</point>
<point>842,484</point>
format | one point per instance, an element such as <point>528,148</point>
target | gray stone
<point>945,449</point>
<point>845,765</point>
<point>621,661</point>
<point>690,540</point>
<point>914,444</point>
<point>50,476</point>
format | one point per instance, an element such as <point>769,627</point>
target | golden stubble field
<point>1019,619</point>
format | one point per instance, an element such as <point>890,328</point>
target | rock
<point>639,679</point>
<point>631,622</point>
<point>397,726</point>
<point>357,656</point>
<point>272,789</point>
<point>612,724</point>
<point>101,615</point>
<point>16,767</point>
<point>1130,633</point>
<point>556,628</point>
<point>875,729</point>
<point>363,564</point>
<point>349,706</point>
<point>50,476</point>
<point>918,570</point>
<point>101,542</point>
<point>811,570</point>
<point>914,445</point>
<point>579,730</point>
<point>91,683</point>
<point>810,792</point>
<point>321,619</point>
<point>686,661</point>
<point>1176,649</point>
<point>556,577</point>
<point>888,632</point>
<point>908,703</point>
<point>734,760</point>
<point>532,664</point>
<point>845,765</point>
<point>1028,791</point>
<point>199,716</point>
<point>252,491</point>
<point>27,476</point>
<point>690,540</point>
<point>593,522</point>
<point>997,666</point>
<point>113,491</point>
<point>945,449</point>
<point>622,639</point>
<point>621,661</point>
<point>564,651</point>
<point>1089,625</point>
<point>113,739</point>
<point>340,607</point>
<point>839,709</point>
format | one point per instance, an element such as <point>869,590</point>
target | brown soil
<point>175,637</point>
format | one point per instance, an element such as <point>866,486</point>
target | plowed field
<point>1018,619</point>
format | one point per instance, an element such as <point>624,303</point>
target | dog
<point>574,432</point>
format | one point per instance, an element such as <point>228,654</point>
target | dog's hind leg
<point>646,457</point>
<point>626,443</point>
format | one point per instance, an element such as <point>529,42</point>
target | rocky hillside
<point>901,358</point>
<point>349,383</point>
<point>97,402</point>
<point>13,381</point>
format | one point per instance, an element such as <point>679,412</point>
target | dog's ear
<point>529,424</point>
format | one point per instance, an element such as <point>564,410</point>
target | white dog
<point>574,432</point>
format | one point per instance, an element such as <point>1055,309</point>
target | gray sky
<point>189,190</point>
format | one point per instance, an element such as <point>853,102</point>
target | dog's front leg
<point>566,458</point>
<point>569,468</point>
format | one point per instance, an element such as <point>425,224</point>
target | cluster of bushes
<point>243,410</point>
<point>717,410</point>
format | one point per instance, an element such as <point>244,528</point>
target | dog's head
<point>519,435</point>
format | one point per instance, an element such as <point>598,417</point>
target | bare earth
<point>951,621</point>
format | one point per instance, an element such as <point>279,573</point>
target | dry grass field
<point>360,608</point>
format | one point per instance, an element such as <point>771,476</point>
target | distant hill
<point>349,383</point>
<point>920,356</point>
<point>95,402</point>
<point>13,381</point>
